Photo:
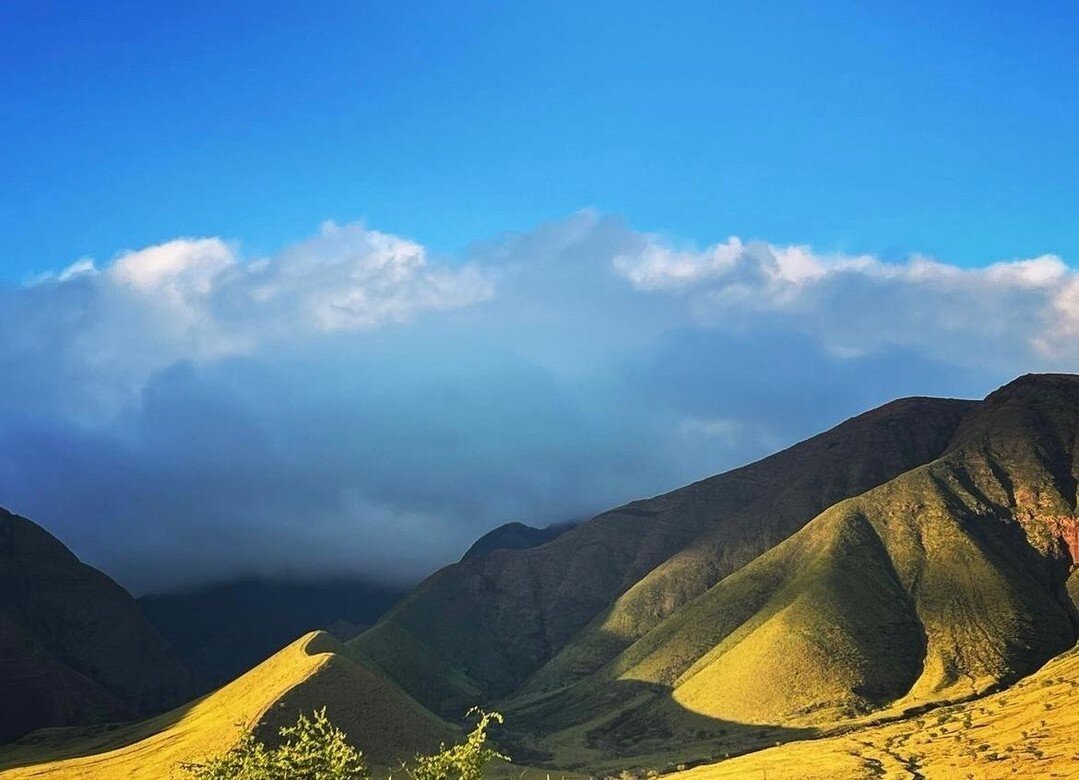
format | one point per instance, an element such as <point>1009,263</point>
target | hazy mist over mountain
<point>184,412</point>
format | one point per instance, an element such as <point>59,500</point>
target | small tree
<point>313,749</point>
<point>464,761</point>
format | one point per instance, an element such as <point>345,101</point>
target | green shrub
<point>315,749</point>
<point>464,761</point>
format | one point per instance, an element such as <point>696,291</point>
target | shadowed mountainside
<point>222,630</point>
<point>480,628</point>
<point>74,646</point>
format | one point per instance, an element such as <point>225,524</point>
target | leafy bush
<point>464,761</point>
<point>315,749</point>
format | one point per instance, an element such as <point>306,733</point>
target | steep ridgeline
<point>481,628</point>
<point>947,582</point>
<point>74,647</point>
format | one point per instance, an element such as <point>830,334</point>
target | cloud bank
<point>352,404</point>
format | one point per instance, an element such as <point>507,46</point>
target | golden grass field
<point>1030,730</point>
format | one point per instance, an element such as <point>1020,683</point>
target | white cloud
<point>348,278</point>
<point>199,300</point>
<point>855,304</point>
<point>353,401</point>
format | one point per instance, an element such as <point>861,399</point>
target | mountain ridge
<point>515,536</point>
<point>312,672</point>
<point>525,606</point>
<point>950,581</point>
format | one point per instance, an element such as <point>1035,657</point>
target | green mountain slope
<point>946,582</point>
<point>74,647</point>
<point>480,628</point>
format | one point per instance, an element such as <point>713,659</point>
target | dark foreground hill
<point>224,629</point>
<point>74,646</point>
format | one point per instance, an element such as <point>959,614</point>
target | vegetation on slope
<point>946,582</point>
<point>1029,730</point>
<point>314,749</point>
<point>480,628</point>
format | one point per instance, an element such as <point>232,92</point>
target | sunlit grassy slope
<point>943,583</point>
<point>314,671</point>
<point>484,626</point>
<point>1030,730</point>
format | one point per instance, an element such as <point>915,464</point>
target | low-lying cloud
<point>352,404</point>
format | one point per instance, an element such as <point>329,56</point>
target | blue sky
<point>340,287</point>
<point>890,128</point>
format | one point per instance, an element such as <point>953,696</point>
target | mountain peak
<point>515,536</point>
<point>1037,385</point>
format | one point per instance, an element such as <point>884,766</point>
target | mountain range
<point>906,572</point>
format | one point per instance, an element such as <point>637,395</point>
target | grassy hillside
<point>946,582</point>
<point>1030,730</point>
<point>794,486</point>
<point>485,625</point>
<point>312,672</point>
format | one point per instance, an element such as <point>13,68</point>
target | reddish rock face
<point>1066,529</point>
<point>1049,532</point>
<point>1052,535</point>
